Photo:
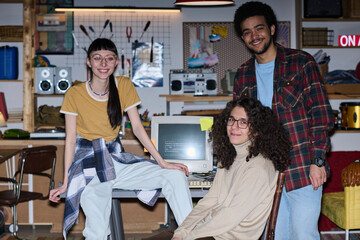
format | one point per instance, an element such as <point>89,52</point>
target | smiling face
<point>102,63</point>
<point>236,134</point>
<point>256,34</point>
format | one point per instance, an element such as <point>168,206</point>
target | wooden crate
<point>343,91</point>
<point>317,37</point>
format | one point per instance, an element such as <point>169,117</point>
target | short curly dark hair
<point>254,8</point>
<point>267,135</point>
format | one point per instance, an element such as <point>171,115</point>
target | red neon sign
<point>349,40</point>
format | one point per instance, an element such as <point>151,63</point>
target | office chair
<point>31,161</point>
<point>343,208</point>
<point>269,233</point>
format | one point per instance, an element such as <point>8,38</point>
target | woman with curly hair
<point>251,148</point>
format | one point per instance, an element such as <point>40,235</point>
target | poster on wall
<point>201,49</point>
<point>53,29</point>
<point>283,34</point>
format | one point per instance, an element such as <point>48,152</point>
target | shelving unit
<point>326,21</point>
<point>28,29</point>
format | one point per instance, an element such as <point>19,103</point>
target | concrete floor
<point>30,232</point>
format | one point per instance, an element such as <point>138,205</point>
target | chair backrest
<point>270,232</point>
<point>36,160</point>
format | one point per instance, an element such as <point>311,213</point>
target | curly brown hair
<point>267,135</point>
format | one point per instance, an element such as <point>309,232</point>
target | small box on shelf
<point>11,33</point>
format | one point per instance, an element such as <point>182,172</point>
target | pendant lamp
<point>204,2</point>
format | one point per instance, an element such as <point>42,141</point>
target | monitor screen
<point>180,139</point>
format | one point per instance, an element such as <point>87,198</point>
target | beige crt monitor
<point>180,139</point>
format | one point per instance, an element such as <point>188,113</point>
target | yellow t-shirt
<point>92,120</point>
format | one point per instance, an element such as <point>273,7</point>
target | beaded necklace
<point>98,94</point>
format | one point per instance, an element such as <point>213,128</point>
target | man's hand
<point>317,176</point>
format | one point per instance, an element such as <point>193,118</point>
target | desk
<point>6,154</point>
<point>116,223</point>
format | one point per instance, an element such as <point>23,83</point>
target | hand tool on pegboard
<point>105,25</point>
<point>92,29</point>
<point>145,28</point>
<point>85,32</point>
<point>128,33</point>
<point>151,49</point>
<point>111,30</point>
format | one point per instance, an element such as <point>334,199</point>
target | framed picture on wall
<point>53,29</point>
<point>283,34</point>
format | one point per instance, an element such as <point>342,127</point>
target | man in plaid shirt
<point>288,81</point>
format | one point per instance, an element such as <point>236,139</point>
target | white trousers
<point>96,197</point>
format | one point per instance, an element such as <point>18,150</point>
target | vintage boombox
<point>195,82</point>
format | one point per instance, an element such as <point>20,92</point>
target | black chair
<point>34,161</point>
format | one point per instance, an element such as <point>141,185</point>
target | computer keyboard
<point>199,184</point>
<point>201,180</point>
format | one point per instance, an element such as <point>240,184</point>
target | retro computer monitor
<point>180,139</point>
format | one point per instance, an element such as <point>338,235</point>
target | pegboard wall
<point>122,24</point>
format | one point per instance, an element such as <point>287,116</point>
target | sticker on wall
<point>147,65</point>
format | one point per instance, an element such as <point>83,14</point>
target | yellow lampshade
<point>2,120</point>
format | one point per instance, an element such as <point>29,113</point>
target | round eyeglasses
<point>241,123</point>
<point>99,59</point>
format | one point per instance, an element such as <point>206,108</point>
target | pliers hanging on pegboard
<point>128,32</point>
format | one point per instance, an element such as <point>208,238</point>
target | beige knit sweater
<point>237,205</point>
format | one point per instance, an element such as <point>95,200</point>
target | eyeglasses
<point>108,59</point>
<point>241,123</point>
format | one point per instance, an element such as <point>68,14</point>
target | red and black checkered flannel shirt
<point>300,101</point>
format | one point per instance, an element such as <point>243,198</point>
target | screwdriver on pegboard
<point>145,28</point>
<point>106,23</point>
<point>85,32</point>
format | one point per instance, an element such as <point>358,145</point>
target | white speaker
<point>62,79</point>
<point>44,80</point>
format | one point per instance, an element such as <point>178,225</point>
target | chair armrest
<point>8,180</point>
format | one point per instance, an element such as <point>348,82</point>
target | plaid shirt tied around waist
<point>95,158</point>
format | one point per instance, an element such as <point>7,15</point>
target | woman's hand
<point>55,193</point>
<point>176,238</point>
<point>178,166</point>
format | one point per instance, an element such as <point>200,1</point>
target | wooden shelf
<point>192,98</point>
<point>327,47</point>
<point>10,80</point>
<point>48,95</point>
<point>15,121</point>
<point>343,91</point>
<point>346,131</point>
<point>331,19</point>
<point>11,1</point>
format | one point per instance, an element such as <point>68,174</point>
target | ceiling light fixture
<point>204,2</point>
<point>115,9</point>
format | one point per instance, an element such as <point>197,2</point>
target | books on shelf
<point>15,115</point>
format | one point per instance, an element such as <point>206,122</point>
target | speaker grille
<point>176,85</point>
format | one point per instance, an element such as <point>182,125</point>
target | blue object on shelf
<point>9,62</point>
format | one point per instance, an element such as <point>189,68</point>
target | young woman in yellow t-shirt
<point>95,162</point>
